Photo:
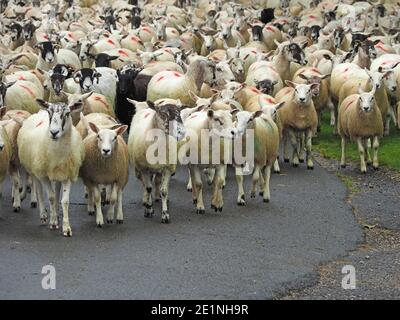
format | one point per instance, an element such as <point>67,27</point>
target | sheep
<point>266,149</point>
<point>176,86</point>
<point>101,80</point>
<point>298,117</point>
<point>360,120</point>
<point>20,94</point>
<point>106,163</point>
<point>100,119</point>
<point>213,126</point>
<point>5,150</point>
<point>51,150</point>
<point>12,120</point>
<point>48,57</point>
<point>168,121</point>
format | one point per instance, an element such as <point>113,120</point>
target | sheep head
<point>107,138</point>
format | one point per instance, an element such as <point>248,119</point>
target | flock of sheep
<point>76,75</point>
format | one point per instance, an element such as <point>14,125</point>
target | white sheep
<point>51,150</point>
<point>106,163</point>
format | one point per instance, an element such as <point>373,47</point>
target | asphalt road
<point>258,251</point>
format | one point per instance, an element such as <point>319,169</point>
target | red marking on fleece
<point>111,42</point>
<point>348,104</point>
<point>380,45</point>
<point>28,90</point>
<point>193,116</point>
<point>312,17</point>
<point>269,100</point>
<point>147,114</point>
<point>99,99</point>
<point>122,53</point>
<point>270,29</point>
<point>39,124</point>
<point>146,29</point>
<point>21,78</point>
<point>177,74</point>
<point>160,78</point>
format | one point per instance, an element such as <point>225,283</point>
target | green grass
<point>329,146</point>
<point>349,182</point>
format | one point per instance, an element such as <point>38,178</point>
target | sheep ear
<point>112,58</point>
<point>327,57</point>
<point>76,106</point>
<point>120,131</point>
<point>87,95</point>
<point>210,113</point>
<point>290,83</point>
<point>44,104</point>
<point>5,122</point>
<point>93,127</point>
<point>279,105</point>
<point>234,111</point>
<point>304,77</point>
<point>193,96</point>
<point>151,105</point>
<point>314,86</point>
<point>77,76</point>
<point>256,114</point>
<point>131,101</point>
<point>10,84</point>
<point>3,111</point>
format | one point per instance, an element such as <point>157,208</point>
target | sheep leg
<point>197,191</point>
<point>66,190</point>
<point>285,143</point>
<point>91,202</point>
<point>157,185</point>
<point>387,123</point>
<point>217,201</point>
<point>277,168</point>
<point>267,176</point>
<point>331,107</point>
<point>293,142</point>
<point>255,179</point>
<point>239,180</point>
<point>52,200</point>
<point>34,195</point>
<point>367,147</point>
<point>343,158</point>
<point>300,139</point>
<point>1,189</point>
<point>164,196</point>
<point>37,184</point>
<point>361,151</point>
<point>120,214</point>
<point>97,201</point>
<point>261,182</point>
<point>23,177</point>
<point>189,184</point>
<point>375,146</point>
<point>310,164</point>
<point>16,194</point>
<point>57,190</point>
<point>392,114</point>
<point>113,201</point>
<point>147,197</point>
<point>210,175</point>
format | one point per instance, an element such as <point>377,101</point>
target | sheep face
<point>237,66</point>
<point>271,109</point>
<point>295,53</point>
<point>29,30</point>
<point>125,79</point>
<point>389,79</point>
<point>104,60</point>
<point>15,31</point>
<point>59,117</point>
<point>107,138</point>
<point>338,36</point>
<point>3,90</point>
<point>302,92</point>
<point>221,124</point>
<point>244,120</point>
<point>84,52</point>
<point>86,78</point>
<point>257,33</point>
<point>223,71</point>
<point>266,86</point>
<point>168,119</point>
<point>226,30</point>
<point>366,101</point>
<point>46,51</point>
<point>325,41</point>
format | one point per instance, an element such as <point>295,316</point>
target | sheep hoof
<point>189,189</point>
<point>43,221</point>
<point>28,189</point>
<point>120,221</point>
<point>295,165</point>
<point>252,195</point>
<point>109,221</point>
<point>20,190</point>
<point>286,160</point>
<point>200,211</point>
<point>157,200</point>
<point>33,204</point>
<point>91,213</point>
<point>301,160</point>
<point>241,201</point>
<point>86,196</point>
<point>209,182</point>
<point>343,166</point>
<point>194,201</point>
<point>376,168</point>
<point>310,167</point>
<point>266,200</point>
<point>220,209</point>
<point>67,232</point>
<point>148,212</point>
<point>17,209</point>
<point>54,226</point>
<point>261,193</point>
<point>165,218</point>
<point>363,171</point>
<point>277,171</point>
<point>99,225</point>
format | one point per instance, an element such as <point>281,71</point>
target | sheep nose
<point>106,151</point>
<point>366,109</point>
<point>54,133</point>
<point>302,99</point>
<point>394,89</point>
<point>1,147</point>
